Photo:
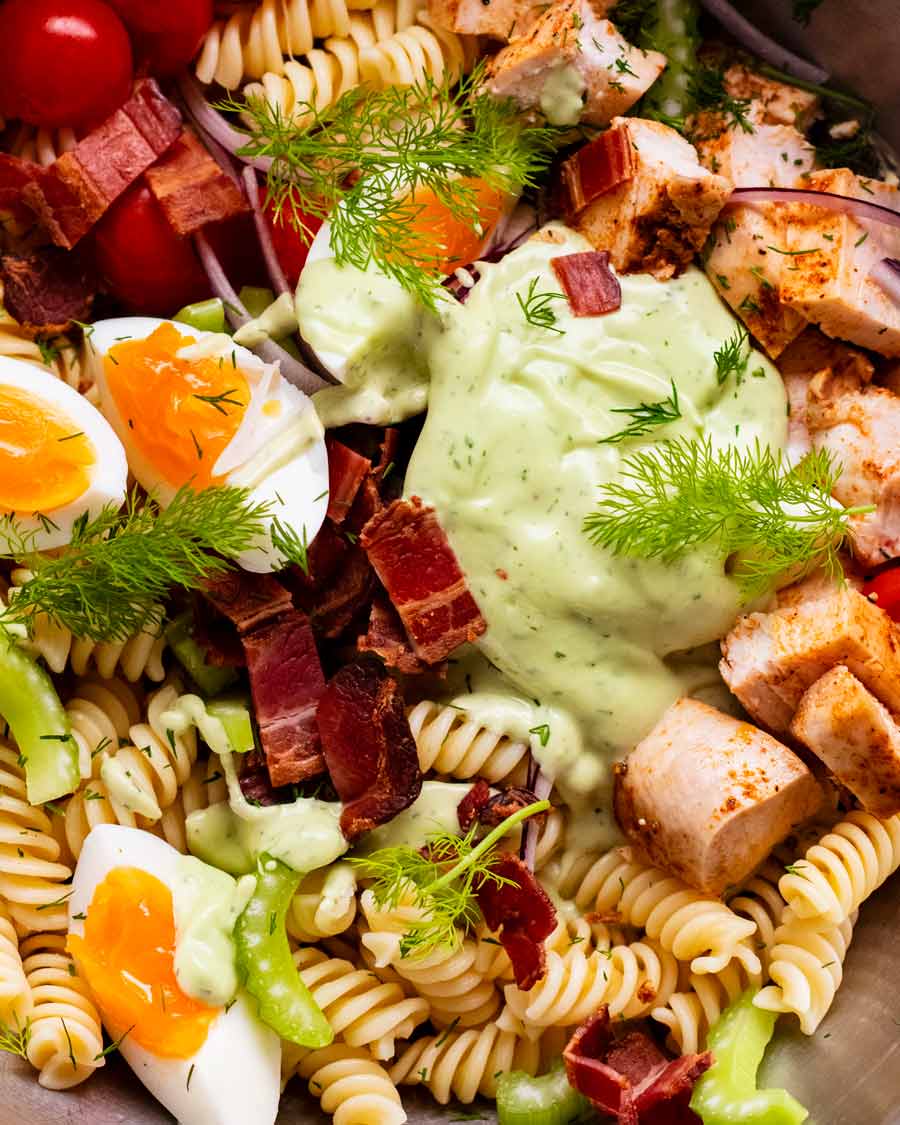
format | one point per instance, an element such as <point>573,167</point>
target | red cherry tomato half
<point>290,245</point>
<point>65,62</point>
<point>166,33</point>
<point>146,265</point>
<point>884,590</point>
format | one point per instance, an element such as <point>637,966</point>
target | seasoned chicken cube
<point>497,19</point>
<point>660,212</point>
<point>742,258</point>
<point>772,102</point>
<point>856,737</point>
<point>707,796</point>
<point>572,65</point>
<point>771,659</point>
<point>832,255</point>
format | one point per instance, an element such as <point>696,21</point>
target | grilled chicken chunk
<point>659,216</point>
<point>856,737</point>
<point>707,796</point>
<point>772,102</point>
<point>572,65</point>
<point>771,659</point>
<point>497,19</point>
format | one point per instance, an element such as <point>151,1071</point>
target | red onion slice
<point>759,44</point>
<point>886,274</point>
<point>263,233</point>
<point>213,124</point>
<point>540,787</point>
<point>846,204</point>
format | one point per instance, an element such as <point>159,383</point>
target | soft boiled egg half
<point>59,459</point>
<point>194,408</point>
<point>208,1064</point>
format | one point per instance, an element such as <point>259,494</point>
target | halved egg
<point>194,408</point>
<point>59,458</point>
<point>207,1064</point>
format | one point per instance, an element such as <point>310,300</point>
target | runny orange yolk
<point>454,242</point>
<point>180,413</point>
<point>45,461</point>
<point>127,957</point>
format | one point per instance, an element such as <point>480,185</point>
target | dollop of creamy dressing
<point>562,95</point>
<point>434,810</point>
<point>511,458</point>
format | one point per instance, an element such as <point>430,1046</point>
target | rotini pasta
<point>100,713</point>
<point>42,145</point>
<point>363,1011</point>
<point>351,1086</point>
<point>449,742</point>
<point>760,900</point>
<point>464,1064</point>
<point>324,905</point>
<point>16,1001</point>
<point>839,872</point>
<point>690,1013</point>
<point>32,880</point>
<point>66,1040</point>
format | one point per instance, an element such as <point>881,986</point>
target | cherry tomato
<point>65,62</point>
<point>291,248</point>
<point>146,265</point>
<point>884,590</point>
<point>166,33</point>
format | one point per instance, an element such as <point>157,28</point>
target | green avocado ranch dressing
<point>511,458</point>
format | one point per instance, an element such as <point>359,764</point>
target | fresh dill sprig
<point>442,880</point>
<point>293,547</point>
<point>121,564</point>
<point>14,1040</point>
<point>361,161</point>
<point>536,308</point>
<point>634,19</point>
<point>767,520</point>
<point>645,417</point>
<point>706,87</point>
<point>733,356</point>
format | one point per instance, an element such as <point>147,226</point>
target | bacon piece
<point>508,801</point>
<point>597,167</point>
<point>346,472</point>
<point>469,809</point>
<point>591,286</point>
<point>48,289</point>
<point>523,914</point>
<point>192,189</point>
<point>254,780</point>
<point>387,638</point>
<point>631,1079</point>
<point>415,563</point>
<point>76,190</point>
<point>15,175</point>
<point>248,601</point>
<point>287,682</point>
<point>368,746</point>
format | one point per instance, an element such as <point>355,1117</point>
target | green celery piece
<point>548,1100</point>
<point>205,316</point>
<point>210,679</point>
<point>265,963</point>
<point>255,299</point>
<point>672,30</point>
<point>727,1093</point>
<point>233,712</point>
<point>31,707</point>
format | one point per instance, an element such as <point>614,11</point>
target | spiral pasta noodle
<point>16,1001</point>
<point>66,1039</point>
<point>351,1086</point>
<point>59,356</point>
<point>839,872</point>
<point>42,145</point>
<point>759,899</point>
<point>464,1064</point>
<point>362,1011</point>
<point>32,880</point>
<point>449,742</point>
<point>100,714</point>
<point>324,905</point>
<point>690,1013</point>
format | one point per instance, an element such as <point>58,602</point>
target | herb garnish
<point>536,308</point>
<point>733,356</point>
<point>645,417</point>
<point>15,1040</point>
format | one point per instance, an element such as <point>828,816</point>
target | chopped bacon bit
<point>631,1079</point>
<point>598,167</point>
<point>416,564</point>
<point>346,472</point>
<point>387,638</point>
<point>248,601</point>
<point>591,286</point>
<point>523,914</point>
<point>503,804</point>
<point>77,189</point>
<point>254,780</point>
<point>369,749</point>
<point>192,189</point>
<point>15,175</point>
<point>502,574</point>
<point>48,289</point>
<point>345,597</point>
<point>469,809</point>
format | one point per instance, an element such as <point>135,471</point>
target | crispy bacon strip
<point>192,189</point>
<point>49,289</point>
<point>368,746</point>
<point>415,563</point>
<point>522,913</point>
<point>387,638</point>
<point>15,175</point>
<point>346,472</point>
<point>598,167</point>
<point>77,189</point>
<point>470,807</point>
<point>591,286</point>
<point>248,601</point>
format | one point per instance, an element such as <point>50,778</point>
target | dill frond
<point>645,417</point>
<point>121,564</point>
<point>768,520</point>
<point>536,307</point>
<point>733,356</point>
<point>361,161</point>
<point>291,546</point>
<point>706,86</point>
<point>14,1040</point>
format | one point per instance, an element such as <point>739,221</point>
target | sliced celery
<point>233,712</point>
<point>255,299</point>
<point>548,1100</point>
<point>209,678</point>
<point>205,316</point>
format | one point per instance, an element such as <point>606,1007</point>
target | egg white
<point>235,1077</point>
<point>282,460</point>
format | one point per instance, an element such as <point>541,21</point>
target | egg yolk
<point>127,957</point>
<point>454,240</point>
<point>180,413</point>
<point>45,461</point>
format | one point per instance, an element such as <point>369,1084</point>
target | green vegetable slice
<point>548,1100</point>
<point>233,712</point>
<point>210,679</point>
<point>205,316</point>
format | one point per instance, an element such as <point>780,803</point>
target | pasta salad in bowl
<point>449,602</point>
